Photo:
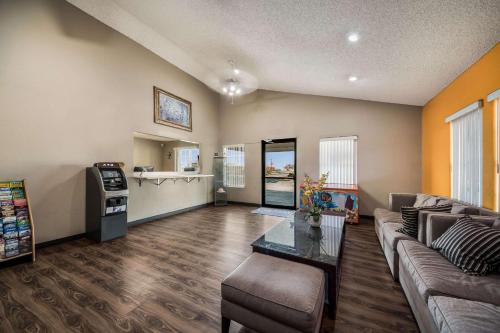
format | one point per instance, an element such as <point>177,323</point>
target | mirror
<point>157,153</point>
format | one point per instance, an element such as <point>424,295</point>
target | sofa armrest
<point>422,224</point>
<point>438,223</point>
<point>398,200</point>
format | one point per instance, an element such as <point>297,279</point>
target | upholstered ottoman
<point>268,294</point>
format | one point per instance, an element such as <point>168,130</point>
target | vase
<point>314,221</point>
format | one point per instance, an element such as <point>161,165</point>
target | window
<point>234,165</point>
<point>338,157</point>
<point>466,154</point>
<point>186,157</point>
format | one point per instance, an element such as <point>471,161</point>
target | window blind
<point>234,165</point>
<point>338,157</point>
<point>466,156</point>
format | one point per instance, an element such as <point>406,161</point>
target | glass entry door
<point>278,173</point>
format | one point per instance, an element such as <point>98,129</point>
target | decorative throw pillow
<point>425,200</point>
<point>444,201</point>
<point>410,221</point>
<point>471,246</point>
<point>410,217</point>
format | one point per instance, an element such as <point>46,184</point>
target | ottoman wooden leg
<point>225,323</point>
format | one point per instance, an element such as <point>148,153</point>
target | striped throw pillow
<point>471,246</point>
<point>410,217</point>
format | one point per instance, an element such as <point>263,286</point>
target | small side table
<point>338,199</point>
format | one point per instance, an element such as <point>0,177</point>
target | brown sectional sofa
<point>451,316</point>
<point>442,297</point>
<point>387,221</point>
<point>393,214</point>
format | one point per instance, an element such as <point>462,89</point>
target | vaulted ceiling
<point>407,51</point>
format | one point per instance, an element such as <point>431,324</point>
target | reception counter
<point>159,177</point>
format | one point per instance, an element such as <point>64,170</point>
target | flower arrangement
<point>311,188</point>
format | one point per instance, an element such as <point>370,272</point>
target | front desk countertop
<point>160,177</point>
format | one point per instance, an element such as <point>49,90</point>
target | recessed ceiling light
<point>224,90</point>
<point>236,71</point>
<point>353,78</point>
<point>353,37</point>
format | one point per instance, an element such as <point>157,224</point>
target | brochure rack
<point>17,228</point>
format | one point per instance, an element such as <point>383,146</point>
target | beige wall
<point>72,92</point>
<point>148,153</point>
<point>388,146</point>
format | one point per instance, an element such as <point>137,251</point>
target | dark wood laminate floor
<point>165,277</point>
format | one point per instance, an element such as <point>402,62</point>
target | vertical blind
<point>234,165</point>
<point>466,156</point>
<point>338,157</point>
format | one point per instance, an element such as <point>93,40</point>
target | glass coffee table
<point>294,239</point>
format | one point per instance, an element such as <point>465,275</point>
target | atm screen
<point>110,174</point>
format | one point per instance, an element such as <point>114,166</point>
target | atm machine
<point>106,201</point>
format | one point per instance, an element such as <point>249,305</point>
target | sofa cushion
<point>462,208</point>
<point>496,224</point>
<point>434,275</point>
<point>282,290</point>
<point>486,212</point>
<point>452,315</point>
<point>437,224</point>
<point>410,217</point>
<point>383,215</point>
<point>471,246</point>
<point>398,200</point>
<point>392,236</point>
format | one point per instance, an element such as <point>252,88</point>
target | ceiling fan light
<point>353,37</point>
<point>232,85</point>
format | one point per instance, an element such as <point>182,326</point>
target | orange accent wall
<point>475,83</point>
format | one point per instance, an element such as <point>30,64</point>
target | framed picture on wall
<point>171,110</point>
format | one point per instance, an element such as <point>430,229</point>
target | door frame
<point>263,173</point>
